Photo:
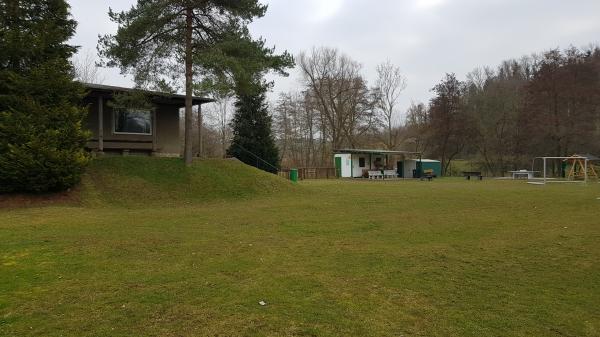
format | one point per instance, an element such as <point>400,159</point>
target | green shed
<point>415,167</point>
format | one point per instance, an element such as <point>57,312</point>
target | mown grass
<point>330,258</point>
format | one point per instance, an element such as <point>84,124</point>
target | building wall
<point>346,164</point>
<point>351,163</point>
<point>411,164</point>
<point>370,160</point>
<point>167,129</point>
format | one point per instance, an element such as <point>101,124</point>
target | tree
<point>561,103</point>
<point>417,126</point>
<point>450,127</point>
<point>221,115</point>
<point>390,84</point>
<point>340,93</point>
<point>253,141</point>
<point>156,37</point>
<point>86,69</point>
<point>41,136</point>
<point>296,124</point>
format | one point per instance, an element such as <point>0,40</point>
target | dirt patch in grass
<point>24,200</point>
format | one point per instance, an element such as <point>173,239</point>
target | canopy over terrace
<point>353,162</point>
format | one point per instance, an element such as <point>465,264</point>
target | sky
<point>425,38</point>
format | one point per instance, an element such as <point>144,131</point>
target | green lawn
<point>330,258</point>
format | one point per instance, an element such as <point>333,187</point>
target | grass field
<point>160,250</point>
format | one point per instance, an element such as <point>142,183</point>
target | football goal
<point>571,169</point>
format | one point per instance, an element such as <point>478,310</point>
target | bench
<point>469,174</point>
<point>390,174</point>
<point>375,175</point>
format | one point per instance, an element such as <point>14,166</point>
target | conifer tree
<point>41,134</point>
<point>161,41</point>
<point>253,141</point>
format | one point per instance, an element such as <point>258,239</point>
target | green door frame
<point>338,166</point>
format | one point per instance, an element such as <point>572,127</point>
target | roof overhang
<point>375,151</point>
<point>157,96</point>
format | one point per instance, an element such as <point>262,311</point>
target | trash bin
<point>294,175</point>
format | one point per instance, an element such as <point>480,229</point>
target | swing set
<point>581,168</point>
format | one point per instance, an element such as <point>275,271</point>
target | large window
<point>361,162</point>
<point>137,121</point>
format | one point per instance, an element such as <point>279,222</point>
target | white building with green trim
<point>355,163</point>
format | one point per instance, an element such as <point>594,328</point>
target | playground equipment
<point>580,170</point>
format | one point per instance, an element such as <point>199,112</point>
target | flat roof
<point>178,97</point>
<point>426,160</point>
<point>373,151</point>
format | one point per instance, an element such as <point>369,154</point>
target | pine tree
<point>253,141</point>
<point>157,38</point>
<point>41,135</point>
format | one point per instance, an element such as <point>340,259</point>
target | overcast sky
<point>425,38</point>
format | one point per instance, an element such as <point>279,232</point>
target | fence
<point>310,173</point>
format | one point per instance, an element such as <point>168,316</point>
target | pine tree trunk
<point>187,149</point>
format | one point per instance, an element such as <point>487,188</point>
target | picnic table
<point>469,174</point>
<point>428,176</point>
<point>523,173</point>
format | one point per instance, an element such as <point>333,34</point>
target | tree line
<point>546,104</point>
<point>499,118</point>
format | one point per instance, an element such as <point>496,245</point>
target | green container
<point>294,175</point>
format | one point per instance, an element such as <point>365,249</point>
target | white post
<point>100,124</point>
<point>544,170</point>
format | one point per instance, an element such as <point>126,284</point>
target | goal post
<point>546,178</point>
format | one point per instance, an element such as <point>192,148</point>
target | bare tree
<point>340,93</point>
<point>417,127</point>
<point>86,70</point>
<point>390,84</point>
<point>220,116</point>
<point>296,123</point>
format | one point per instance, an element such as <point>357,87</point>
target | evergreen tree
<point>253,141</point>
<point>41,135</point>
<point>160,41</point>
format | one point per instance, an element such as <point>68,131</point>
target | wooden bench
<point>375,175</point>
<point>469,174</point>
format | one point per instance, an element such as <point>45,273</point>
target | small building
<point>355,163</point>
<point>152,130</point>
<point>412,167</point>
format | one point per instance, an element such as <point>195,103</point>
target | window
<point>361,162</point>
<point>133,121</point>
